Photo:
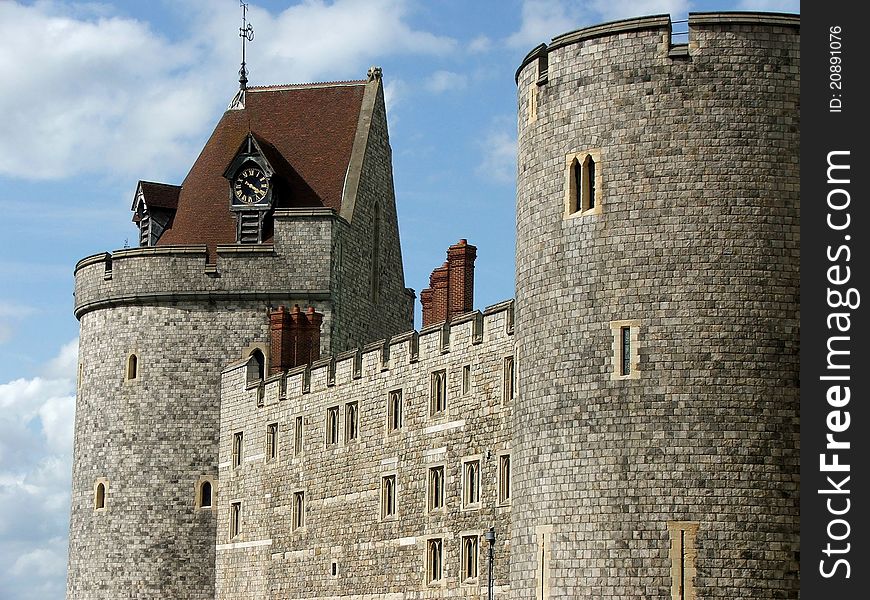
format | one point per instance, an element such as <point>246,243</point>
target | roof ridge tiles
<point>296,86</point>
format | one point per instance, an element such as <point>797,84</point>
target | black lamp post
<point>489,536</point>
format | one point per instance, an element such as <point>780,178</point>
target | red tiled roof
<point>308,130</point>
<point>160,195</point>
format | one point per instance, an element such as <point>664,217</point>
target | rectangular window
<point>271,442</point>
<point>625,363</point>
<point>351,421</point>
<point>237,449</point>
<point>388,497</point>
<point>466,379</point>
<point>504,479</point>
<point>298,510</point>
<point>471,483</point>
<point>469,557</point>
<point>297,437</point>
<point>434,560</point>
<point>436,488</point>
<point>438,394</point>
<point>394,410</point>
<point>331,425</point>
<point>235,519</point>
<point>509,378</point>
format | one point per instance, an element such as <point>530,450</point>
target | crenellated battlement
<point>661,26</point>
<point>490,327</point>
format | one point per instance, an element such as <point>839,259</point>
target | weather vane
<point>246,32</point>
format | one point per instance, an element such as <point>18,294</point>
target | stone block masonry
<point>348,543</point>
<point>683,458</point>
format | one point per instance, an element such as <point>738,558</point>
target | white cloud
<point>543,19</point>
<point>480,44</point>
<point>97,93</point>
<point>442,81</point>
<point>499,155</point>
<point>36,431</point>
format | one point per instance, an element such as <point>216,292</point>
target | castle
<point>256,417</point>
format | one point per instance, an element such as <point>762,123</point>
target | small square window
<point>351,421</point>
<point>436,488</point>
<point>394,410</point>
<point>438,394</point>
<point>331,425</point>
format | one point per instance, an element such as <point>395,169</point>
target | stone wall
<point>374,557</point>
<point>694,246</point>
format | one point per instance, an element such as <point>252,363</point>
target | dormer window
<point>154,209</point>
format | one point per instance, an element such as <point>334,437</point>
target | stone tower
<point>656,423</point>
<point>290,203</point>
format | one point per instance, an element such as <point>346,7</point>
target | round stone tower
<point>656,431</point>
<point>262,220</point>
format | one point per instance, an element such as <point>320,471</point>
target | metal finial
<point>246,32</point>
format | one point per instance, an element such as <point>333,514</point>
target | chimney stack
<point>295,337</point>
<point>451,286</point>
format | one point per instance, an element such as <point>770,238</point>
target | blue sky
<point>98,95</point>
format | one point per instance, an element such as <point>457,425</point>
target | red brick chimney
<point>451,286</point>
<point>295,337</point>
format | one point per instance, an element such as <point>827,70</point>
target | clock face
<point>250,185</point>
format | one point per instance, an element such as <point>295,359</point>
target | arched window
<point>577,180</point>
<point>100,496</point>
<point>132,367</point>
<point>256,366</point>
<point>582,183</point>
<point>588,187</point>
<point>205,494</point>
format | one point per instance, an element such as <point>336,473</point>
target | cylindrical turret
<point>656,422</point>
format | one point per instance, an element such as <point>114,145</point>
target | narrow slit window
<point>298,510</point>
<point>235,519</point>
<point>237,449</point>
<point>504,479</point>
<point>682,554</point>
<point>589,183</point>
<point>331,426</point>
<point>388,496</point>
<point>509,378</point>
<point>205,493</point>
<point>271,442</point>
<point>351,421</point>
<point>438,395</point>
<point>466,379</point>
<point>577,176</point>
<point>100,496</point>
<point>434,560</point>
<point>394,410</point>
<point>436,488</point>
<point>132,367</point>
<point>469,557</point>
<point>625,363</point>
<point>297,437</point>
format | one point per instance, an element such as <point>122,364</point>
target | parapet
<point>296,266</point>
<point>663,24</point>
<point>461,334</point>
